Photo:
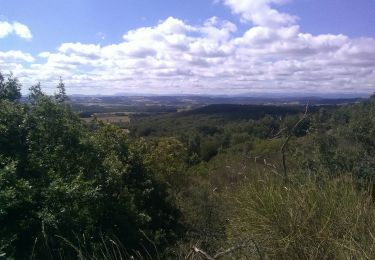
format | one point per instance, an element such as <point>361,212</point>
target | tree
<point>167,158</point>
<point>10,89</point>
<point>35,93</point>
<point>61,96</point>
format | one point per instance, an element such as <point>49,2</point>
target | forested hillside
<point>228,182</point>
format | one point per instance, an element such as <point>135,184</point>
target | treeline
<point>200,185</point>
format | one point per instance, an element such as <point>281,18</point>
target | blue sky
<point>176,46</point>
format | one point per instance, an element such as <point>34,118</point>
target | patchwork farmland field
<point>109,118</point>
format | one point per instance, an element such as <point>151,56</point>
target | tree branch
<point>225,252</point>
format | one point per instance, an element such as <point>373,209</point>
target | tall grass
<point>308,218</point>
<point>109,248</point>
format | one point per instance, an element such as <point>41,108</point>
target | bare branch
<point>278,134</point>
<point>229,250</point>
<point>201,252</point>
<point>225,252</point>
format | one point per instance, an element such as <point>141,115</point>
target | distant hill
<point>244,111</point>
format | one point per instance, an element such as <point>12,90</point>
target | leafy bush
<point>61,182</point>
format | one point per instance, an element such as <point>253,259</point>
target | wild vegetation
<point>227,182</point>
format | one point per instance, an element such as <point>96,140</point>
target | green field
<point>108,118</point>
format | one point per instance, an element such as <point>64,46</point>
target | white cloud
<point>13,60</point>
<point>213,57</point>
<point>15,56</point>
<point>86,50</point>
<point>260,12</point>
<point>22,30</point>
<point>16,28</point>
<point>5,29</point>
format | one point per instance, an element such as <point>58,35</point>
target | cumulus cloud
<point>5,29</point>
<point>15,56</point>
<point>13,60</point>
<point>272,55</point>
<point>90,51</point>
<point>22,30</point>
<point>16,28</point>
<point>260,12</point>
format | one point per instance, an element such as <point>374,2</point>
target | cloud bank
<point>271,56</point>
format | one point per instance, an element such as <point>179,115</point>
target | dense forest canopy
<point>238,182</point>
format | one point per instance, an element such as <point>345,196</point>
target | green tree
<point>10,89</point>
<point>168,157</point>
<point>35,93</point>
<point>61,96</point>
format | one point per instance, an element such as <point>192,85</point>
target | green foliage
<point>35,93</point>
<point>167,157</point>
<point>61,182</point>
<point>340,141</point>
<point>204,211</point>
<point>12,133</point>
<point>10,89</point>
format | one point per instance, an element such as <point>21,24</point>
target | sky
<point>247,47</point>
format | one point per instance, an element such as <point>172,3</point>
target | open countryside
<point>192,130</point>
